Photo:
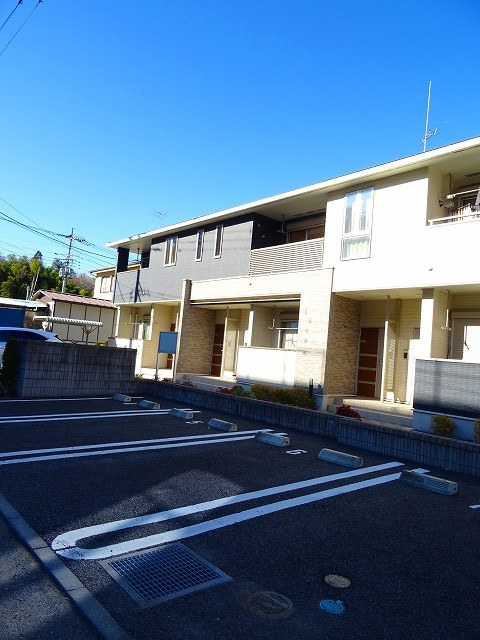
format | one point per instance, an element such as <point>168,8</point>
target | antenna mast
<point>428,134</point>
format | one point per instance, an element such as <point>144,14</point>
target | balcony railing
<point>297,256</point>
<point>463,214</point>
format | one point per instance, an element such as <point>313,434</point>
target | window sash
<point>199,248</point>
<point>171,251</point>
<point>357,226</point>
<point>106,284</point>
<point>218,241</point>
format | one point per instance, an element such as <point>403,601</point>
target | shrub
<point>261,391</point>
<point>295,396</point>
<point>442,426</point>
<point>225,390</point>
<point>476,430</point>
<point>347,411</point>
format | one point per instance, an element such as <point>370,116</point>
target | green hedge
<point>294,397</point>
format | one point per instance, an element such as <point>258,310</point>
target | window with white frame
<point>357,226</point>
<point>199,248</point>
<point>171,251</point>
<point>106,284</point>
<point>218,241</point>
<point>288,334</point>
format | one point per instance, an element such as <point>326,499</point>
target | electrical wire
<point>7,218</point>
<point>20,27</point>
<point>11,13</point>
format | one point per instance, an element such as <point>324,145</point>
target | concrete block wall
<point>400,443</point>
<point>54,370</point>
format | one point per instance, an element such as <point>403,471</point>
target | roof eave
<point>378,171</point>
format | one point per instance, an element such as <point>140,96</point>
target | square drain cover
<point>166,573</point>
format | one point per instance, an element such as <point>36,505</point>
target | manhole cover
<point>332,606</point>
<point>337,581</point>
<point>163,574</point>
<point>267,604</point>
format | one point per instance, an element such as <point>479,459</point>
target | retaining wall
<point>55,370</point>
<point>420,448</point>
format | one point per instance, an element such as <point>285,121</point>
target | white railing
<point>296,256</point>
<point>464,214</point>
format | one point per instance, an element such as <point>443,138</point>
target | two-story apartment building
<point>344,282</point>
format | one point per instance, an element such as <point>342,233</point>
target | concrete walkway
<point>31,606</point>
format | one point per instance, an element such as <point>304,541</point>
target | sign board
<point>167,342</point>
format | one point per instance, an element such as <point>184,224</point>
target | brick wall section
<point>54,370</point>
<point>343,338</point>
<point>420,448</point>
<point>196,327</point>
<point>313,329</point>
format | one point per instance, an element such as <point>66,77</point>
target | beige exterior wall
<point>466,302</point>
<point>195,340</point>
<point>409,320</point>
<point>405,251</point>
<point>343,340</point>
<point>440,334</point>
<point>261,335</point>
<point>253,287</point>
<point>162,317</point>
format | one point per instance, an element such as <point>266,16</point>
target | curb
<point>98,617</point>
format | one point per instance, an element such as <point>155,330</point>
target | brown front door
<point>217,351</point>
<point>367,362</point>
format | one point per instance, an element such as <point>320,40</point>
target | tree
<point>21,277</point>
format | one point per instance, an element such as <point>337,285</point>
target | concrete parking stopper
<point>148,404</point>
<point>431,483</point>
<point>277,439</point>
<point>222,425</point>
<point>186,414</point>
<point>338,457</point>
<point>121,397</point>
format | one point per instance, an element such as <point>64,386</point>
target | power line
<point>11,13</point>
<point>51,235</point>
<point>21,26</point>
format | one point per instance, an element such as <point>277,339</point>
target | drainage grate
<point>166,573</point>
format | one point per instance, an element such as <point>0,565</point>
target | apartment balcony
<point>467,213</point>
<point>297,256</point>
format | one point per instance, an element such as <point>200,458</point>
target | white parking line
<point>79,399</point>
<point>66,543</point>
<point>103,452</point>
<point>126,443</point>
<point>81,416</point>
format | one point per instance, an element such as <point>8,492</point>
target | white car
<point>22,333</point>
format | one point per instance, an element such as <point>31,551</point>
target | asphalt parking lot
<point>141,505</point>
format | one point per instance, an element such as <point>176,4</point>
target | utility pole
<point>68,259</point>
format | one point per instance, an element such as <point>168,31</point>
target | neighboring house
<point>343,283</point>
<point>14,311</point>
<point>104,282</point>
<point>76,318</point>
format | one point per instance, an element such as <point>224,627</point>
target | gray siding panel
<point>447,387</point>
<point>159,282</point>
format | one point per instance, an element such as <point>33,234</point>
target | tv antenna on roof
<point>428,134</point>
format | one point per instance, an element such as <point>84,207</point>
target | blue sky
<point>114,110</point>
